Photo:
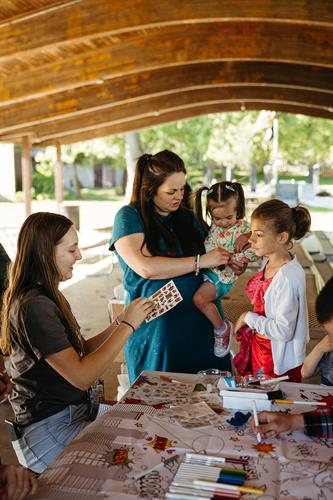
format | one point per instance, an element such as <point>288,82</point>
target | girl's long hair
<point>150,173</point>
<point>34,271</point>
<point>219,193</point>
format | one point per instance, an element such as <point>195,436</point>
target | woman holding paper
<point>157,238</point>
<point>52,365</point>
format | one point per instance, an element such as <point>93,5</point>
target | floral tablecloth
<point>141,432</point>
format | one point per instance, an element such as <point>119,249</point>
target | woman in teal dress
<point>157,238</point>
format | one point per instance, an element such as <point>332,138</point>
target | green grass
<point>318,209</point>
<point>97,194</point>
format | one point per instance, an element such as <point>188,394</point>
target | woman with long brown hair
<point>158,238</point>
<point>52,366</point>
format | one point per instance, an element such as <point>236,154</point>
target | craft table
<point>134,436</point>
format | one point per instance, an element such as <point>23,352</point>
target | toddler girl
<point>273,337</point>
<point>225,206</point>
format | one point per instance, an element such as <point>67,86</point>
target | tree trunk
<point>76,183</point>
<point>132,152</point>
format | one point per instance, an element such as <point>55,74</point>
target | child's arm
<point>210,242</point>
<point>242,245</point>
<point>242,242</point>
<point>312,360</point>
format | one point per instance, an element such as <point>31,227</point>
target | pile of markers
<point>207,476</point>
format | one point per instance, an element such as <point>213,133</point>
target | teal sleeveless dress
<point>182,339</point>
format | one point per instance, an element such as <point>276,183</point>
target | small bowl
<point>212,375</point>
<point>213,371</point>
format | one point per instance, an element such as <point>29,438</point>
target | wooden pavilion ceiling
<point>77,69</point>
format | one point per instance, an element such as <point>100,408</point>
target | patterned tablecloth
<point>141,432</point>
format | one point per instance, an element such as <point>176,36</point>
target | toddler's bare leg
<point>203,299</point>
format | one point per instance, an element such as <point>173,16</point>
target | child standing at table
<point>225,206</point>
<point>322,354</point>
<point>273,337</point>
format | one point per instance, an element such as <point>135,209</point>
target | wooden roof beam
<point>61,23</point>
<point>181,114</point>
<point>175,45</point>
<point>150,83</point>
<point>182,98</point>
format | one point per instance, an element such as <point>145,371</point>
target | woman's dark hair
<point>219,193</point>
<point>150,173</point>
<point>324,303</point>
<point>35,269</point>
<point>281,218</point>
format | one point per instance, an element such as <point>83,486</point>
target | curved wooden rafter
<point>176,100</point>
<point>76,69</point>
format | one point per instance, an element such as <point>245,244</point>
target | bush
<point>323,193</point>
<point>43,185</point>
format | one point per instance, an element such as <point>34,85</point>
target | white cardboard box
<point>246,403</point>
<point>241,399</point>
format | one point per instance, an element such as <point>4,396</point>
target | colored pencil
<point>207,459</point>
<point>200,495</point>
<point>256,420</point>
<point>292,402</point>
<point>274,380</point>
<point>212,486</point>
<point>269,381</point>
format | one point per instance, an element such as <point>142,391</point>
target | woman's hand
<point>5,385</point>
<point>271,424</point>
<point>325,345</point>
<point>137,311</point>
<point>16,482</point>
<point>240,322</point>
<point>214,258</point>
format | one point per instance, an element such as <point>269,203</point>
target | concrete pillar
<point>132,152</point>
<point>275,152</point>
<point>7,184</point>
<point>26,174</point>
<point>59,177</point>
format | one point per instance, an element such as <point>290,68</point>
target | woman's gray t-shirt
<point>38,390</point>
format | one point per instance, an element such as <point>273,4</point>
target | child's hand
<point>326,344</point>
<point>242,242</point>
<point>138,310</point>
<point>238,263</point>
<point>240,322</point>
<point>271,424</point>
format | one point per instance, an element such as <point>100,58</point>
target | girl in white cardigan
<point>274,335</point>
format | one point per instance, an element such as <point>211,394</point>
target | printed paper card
<point>192,415</point>
<point>157,390</point>
<point>165,299</point>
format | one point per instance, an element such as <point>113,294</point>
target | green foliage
<point>43,185</point>
<point>304,140</point>
<point>188,138</point>
<point>43,175</point>
<point>97,152</point>
<point>205,143</point>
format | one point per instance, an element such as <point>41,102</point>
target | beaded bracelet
<point>128,324</point>
<point>197,265</point>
